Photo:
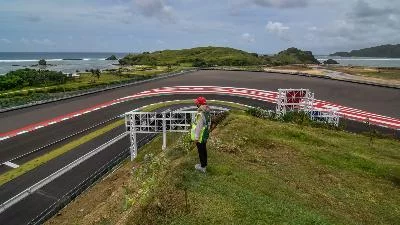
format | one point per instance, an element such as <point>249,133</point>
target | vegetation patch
<point>260,172</point>
<point>153,107</point>
<point>218,56</point>
<point>391,74</point>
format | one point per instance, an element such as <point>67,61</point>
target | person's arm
<point>199,126</point>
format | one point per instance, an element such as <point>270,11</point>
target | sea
<point>362,61</point>
<point>70,62</point>
<point>67,62</point>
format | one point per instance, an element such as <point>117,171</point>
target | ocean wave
<point>27,60</point>
<point>363,59</point>
<point>19,60</point>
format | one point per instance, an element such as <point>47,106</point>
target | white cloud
<point>156,8</point>
<point>313,28</point>
<point>25,41</point>
<point>276,27</point>
<point>248,38</point>
<point>5,40</point>
<point>282,3</point>
<point>160,42</point>
<point>43,42</point>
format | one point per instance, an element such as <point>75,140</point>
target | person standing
<point>200,131</point>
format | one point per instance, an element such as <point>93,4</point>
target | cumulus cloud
<point>156,8</point>
<point>281,3</point>
<point>5,40</point>
<point>248,38</point>
<point>276,27</point>
<point>365,24</point>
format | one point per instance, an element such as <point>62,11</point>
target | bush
<point>42,62</point>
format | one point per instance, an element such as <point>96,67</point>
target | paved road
<point>378,100</point>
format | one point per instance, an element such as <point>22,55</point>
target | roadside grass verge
<point>34,163</point>
<point>153,107</point>
<point>260,172</point>
<point>86,81</point>
<point>390,74</point>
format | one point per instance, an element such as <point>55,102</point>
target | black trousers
<point>202,149</point>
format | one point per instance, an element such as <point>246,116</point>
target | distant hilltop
<point>383,51</point>
<point>218,56</point>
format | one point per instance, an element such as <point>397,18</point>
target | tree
<point>42,62</point>
<point>97,73</point>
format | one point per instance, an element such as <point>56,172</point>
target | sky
<point>262,26</point>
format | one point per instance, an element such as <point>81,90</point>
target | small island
<point>113,57</point>
<point>383,51</point>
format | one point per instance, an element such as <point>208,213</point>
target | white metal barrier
<point>289,100</point>
<point>153,122</point>
<point>294,100</point>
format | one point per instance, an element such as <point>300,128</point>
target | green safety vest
<point>205,130</point>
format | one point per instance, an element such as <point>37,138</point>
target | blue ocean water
<point>59,61</point>
<point>363,61</point>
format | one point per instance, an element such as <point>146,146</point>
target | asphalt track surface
<point>380,100</point>
<point>370,98</point>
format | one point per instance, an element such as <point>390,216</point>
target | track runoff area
<point>260,95</point>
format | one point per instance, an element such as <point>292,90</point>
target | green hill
<point>383,51</point>
<point>260,172</point>
<point>294,56</point>
<point>217,56</point>
<point>201,56</point>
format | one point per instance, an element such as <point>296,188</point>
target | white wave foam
<point>27,60</point>
<point>19,60</point>
<point>86,59</point>
<point>364,59</point>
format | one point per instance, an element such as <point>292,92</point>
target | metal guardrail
<point>96,90</point>
<point>87,183</point>
<point>57,174</point>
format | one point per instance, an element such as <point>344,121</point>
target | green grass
<point>274,173</point>
<point>392,74</point>
<point>34,163</point>
<point>150,108</point>
<point>260,172</point>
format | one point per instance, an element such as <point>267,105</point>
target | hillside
<point>201,56</point>
<point>383,51</point>
<point>217,56</point>
<point>268,173</point>
<point>294,56</point>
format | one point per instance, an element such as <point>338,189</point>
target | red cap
<point>200,101</point>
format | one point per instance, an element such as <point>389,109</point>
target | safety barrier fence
<point>87,183</point>
<point>4,206</point>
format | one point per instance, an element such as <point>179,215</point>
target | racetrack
<point>379,100</point>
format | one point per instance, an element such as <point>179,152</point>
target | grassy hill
<point>268,173</point>
<point>221,56</point>
<point>200,56</point>
<point>384,51</point>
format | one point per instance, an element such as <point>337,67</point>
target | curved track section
<point>267,96</point>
